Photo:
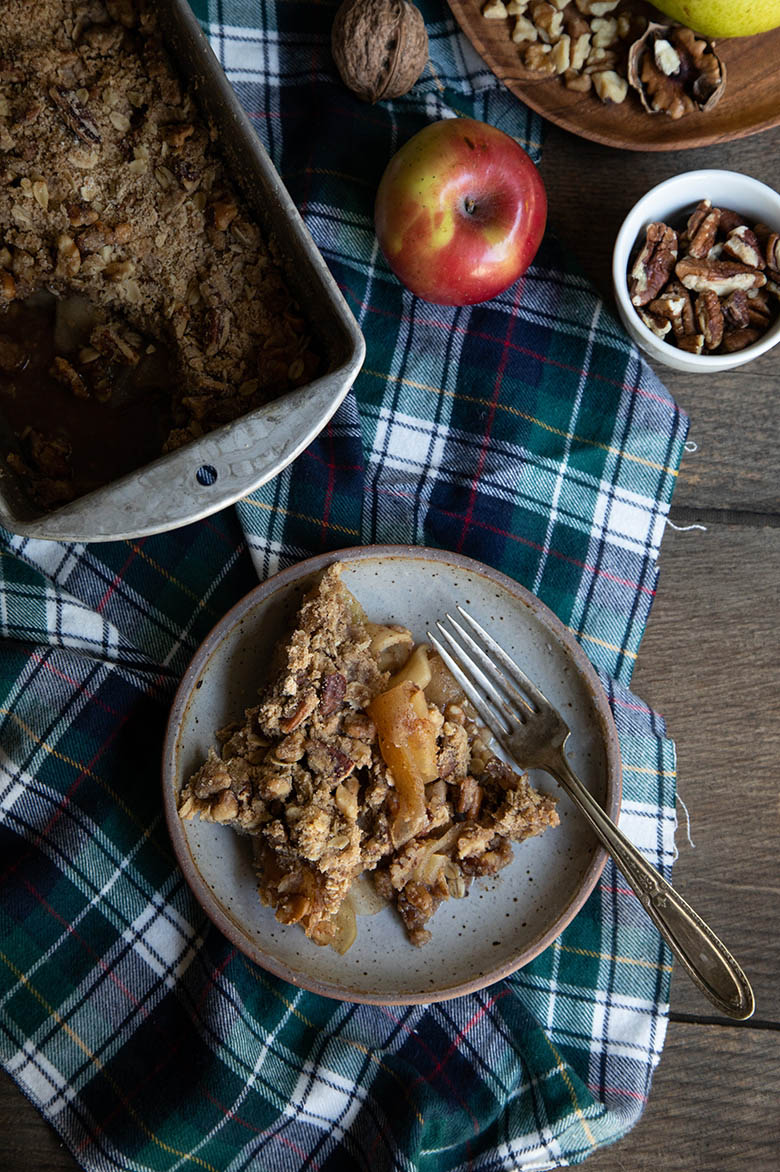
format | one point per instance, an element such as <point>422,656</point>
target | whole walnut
<point>380,47</point>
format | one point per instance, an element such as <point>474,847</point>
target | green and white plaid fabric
<point>526,432</point>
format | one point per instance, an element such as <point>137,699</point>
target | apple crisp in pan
<point>363,758</point>
<point>113,191</point>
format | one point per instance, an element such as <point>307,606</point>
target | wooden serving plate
<point>751,102</point>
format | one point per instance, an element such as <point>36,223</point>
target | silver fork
<point>531,731</point>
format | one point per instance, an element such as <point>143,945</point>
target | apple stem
<point>469,205</point>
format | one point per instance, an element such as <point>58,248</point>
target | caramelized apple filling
<point>362,759</point>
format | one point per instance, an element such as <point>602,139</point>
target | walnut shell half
<point>380,47</point>
<point>674,71</point>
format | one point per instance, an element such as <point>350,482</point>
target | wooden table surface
<point>709,663</point>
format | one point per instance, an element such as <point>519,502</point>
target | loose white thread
<point>691,446</point>
<point>687,822</point>
<point>685,528</point>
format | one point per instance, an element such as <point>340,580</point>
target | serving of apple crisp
<point>362,758</point>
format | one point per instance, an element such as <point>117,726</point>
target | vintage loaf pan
<point>250,451</point>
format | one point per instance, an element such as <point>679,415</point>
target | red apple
<point>460,212</point>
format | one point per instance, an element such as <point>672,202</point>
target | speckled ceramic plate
<point>503,922</point>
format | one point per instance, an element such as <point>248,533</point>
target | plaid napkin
<point>526,432</point>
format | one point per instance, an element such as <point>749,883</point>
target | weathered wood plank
<point>26,1140</point>
<point>709,663</point>
<point>734,415</point>
<point>713,1105</point>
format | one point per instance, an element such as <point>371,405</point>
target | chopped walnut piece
<point>547,20</point>
<point>524,31</point>
<point>536,57</point>
<point>596,7</point>
<point>610,87</point>
<point>579,82</point>
<point>495,10</point>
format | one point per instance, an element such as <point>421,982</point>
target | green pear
<point>724,18</point>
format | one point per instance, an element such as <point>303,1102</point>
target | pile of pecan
<point>711,287</point>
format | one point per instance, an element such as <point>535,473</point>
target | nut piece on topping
<point>675,72</point>
<point>654,265</point>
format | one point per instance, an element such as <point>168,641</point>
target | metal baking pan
<point>246,453</point>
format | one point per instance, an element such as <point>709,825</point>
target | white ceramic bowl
<point>668,202</point>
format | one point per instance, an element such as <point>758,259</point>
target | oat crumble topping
<point>112,187</point>
<point>349,766</point>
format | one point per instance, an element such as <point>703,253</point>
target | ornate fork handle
<point>708,962</point>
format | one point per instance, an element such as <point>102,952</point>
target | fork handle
<point>707,961</point>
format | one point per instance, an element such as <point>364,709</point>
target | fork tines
<point>494,693</point>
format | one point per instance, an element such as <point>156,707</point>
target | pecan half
<point>659,325</point>
<point>75,114</point>
<point>676,309</point>
<point>735,309</point>
<point>693,343</point>
<point>654,265</point>
<point>721,276</point>
<point>734,340</point>
<point>741,244</point>
<point>703,238</point>
<point>729,220</point>
<point>709,317</point>
<point>772,251</point>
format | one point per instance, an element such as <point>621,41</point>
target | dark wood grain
<point>751,101</point>
<point>687,1128</point>
<point>27,1142</point>
<point>709,664</point>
